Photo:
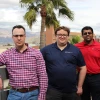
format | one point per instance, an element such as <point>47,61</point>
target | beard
<point>88,41</point>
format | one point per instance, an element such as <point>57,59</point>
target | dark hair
<point>18,26</point>
<point>64,28</point>
<point>86,28</point>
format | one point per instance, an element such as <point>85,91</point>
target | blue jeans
<point>15,95</point>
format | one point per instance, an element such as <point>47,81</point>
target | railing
<point>4,76</point>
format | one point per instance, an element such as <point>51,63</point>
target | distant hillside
<point>5,37</point>
<point>8,40</point>
<point>4,41</point>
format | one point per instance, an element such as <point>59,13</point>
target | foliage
<point>75,39</point>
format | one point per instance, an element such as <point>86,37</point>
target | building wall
<point>50,37</point>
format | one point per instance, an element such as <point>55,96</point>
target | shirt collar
<point>84,43</point>
<point>25,49</point>
<point>55,45</point>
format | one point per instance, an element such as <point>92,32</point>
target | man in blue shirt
<point>62,60</point>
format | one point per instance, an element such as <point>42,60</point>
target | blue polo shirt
<point>61,66</point>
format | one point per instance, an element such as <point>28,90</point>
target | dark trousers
<point>53,94</point>
<point>91,87</point>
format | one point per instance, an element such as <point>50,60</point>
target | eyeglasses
<point>87,33</point>
<point>60,35</point>
<point>22,35</point>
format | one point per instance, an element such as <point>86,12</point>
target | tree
<point>46,8</point>
<point>75,39</point>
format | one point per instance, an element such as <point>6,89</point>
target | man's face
<point>18,36</point>
<point>62,37</point>
<point>87,35</point>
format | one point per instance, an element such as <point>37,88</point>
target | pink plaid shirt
<point>26,69</point>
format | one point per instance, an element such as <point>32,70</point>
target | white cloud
<point>8,3</point>
<point>12,14</point>
<point>86,12</point>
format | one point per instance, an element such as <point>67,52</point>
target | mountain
<point>6,37</point>
<point>8,33</point>
<point>8,40</point>
<point>5,40</point>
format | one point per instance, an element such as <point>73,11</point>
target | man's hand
<point>1,84</point>
<point>79,90</point>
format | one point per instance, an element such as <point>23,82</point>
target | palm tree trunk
<point>42,35</point>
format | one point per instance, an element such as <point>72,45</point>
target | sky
<point>86,13</point>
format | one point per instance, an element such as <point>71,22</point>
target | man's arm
<point>82,74</point>
<point>42,75</point>
<point>1,84</point>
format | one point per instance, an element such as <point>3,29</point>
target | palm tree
<point>47,9</point>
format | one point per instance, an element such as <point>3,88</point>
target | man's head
<point>87,34</point>
<point>18,35</point>
<point>62,34</point>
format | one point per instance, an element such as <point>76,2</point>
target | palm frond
<point>58,3</point>
<point>52,20</point>
<point>26,1</point>
<point>49,8</point>
<point>32,6</point>
<point>67,13</point>
<point>30,17</point>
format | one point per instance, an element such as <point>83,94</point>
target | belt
<point>24,90</point>
<point>88,74</point>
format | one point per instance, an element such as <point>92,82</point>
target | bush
<point>75,39</point>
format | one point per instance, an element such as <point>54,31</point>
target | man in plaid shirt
<point>26,68</point>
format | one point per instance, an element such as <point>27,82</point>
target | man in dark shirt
<point>62,60</point>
